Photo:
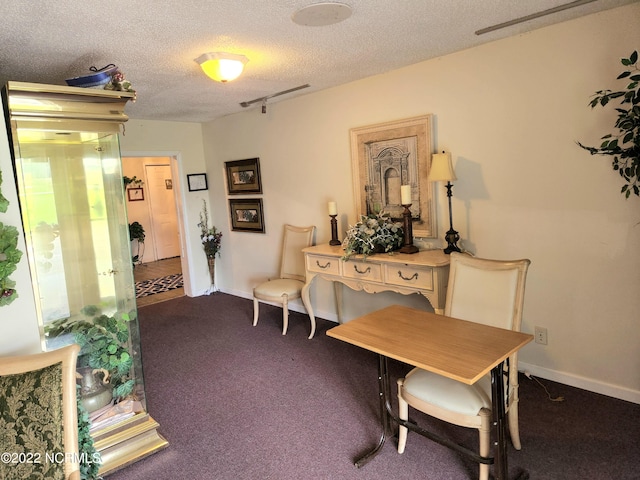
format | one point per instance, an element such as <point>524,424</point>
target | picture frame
<point>168,184</point>
<point>246,215</point>
<point>386,156</point>
<point>135,194</point>
<point>243,176</point>
<point>197,182</point>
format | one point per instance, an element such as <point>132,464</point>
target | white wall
<point>146,138</point>
<point>510,113</point>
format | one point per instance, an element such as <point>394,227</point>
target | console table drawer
<point>320,264</point>
<point>364,270</point>
<point>409,276</point>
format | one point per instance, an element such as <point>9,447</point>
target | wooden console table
<point>425,272</point>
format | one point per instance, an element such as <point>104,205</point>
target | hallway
<point>157,269</point>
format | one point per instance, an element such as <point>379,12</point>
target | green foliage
<point>625,145</point>
<point>4,203</point>
<point>89,464</point>
<point>132,181</point>
<point>104,343</point>
<point>136,231</point>
<point>373,233</point>
<point>9,258</point>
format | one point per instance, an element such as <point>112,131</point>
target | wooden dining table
<point>458,349</point>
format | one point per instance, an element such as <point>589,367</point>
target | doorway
<point>158,209</point>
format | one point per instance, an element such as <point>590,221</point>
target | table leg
<point>306,301</point>
<point>384,392</point>
<point>499,421</point>
<point>338,290</point>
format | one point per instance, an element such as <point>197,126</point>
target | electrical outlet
<point>540,335</point>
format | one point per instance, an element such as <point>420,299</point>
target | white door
<point>164,219</point>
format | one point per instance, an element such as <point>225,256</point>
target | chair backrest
<point>35,385</point>
<point>486,291</point>
<point>295,239</point>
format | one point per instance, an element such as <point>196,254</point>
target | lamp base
<point>452,238</point>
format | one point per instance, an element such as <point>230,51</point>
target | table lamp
<point>442,171</point>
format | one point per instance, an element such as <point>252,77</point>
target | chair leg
<point>485,444</point>
<point>256,310</point>
<point>285,314</point>
<point>403,414</point>
<point>514,428</point>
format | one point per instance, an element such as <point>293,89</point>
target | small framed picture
<point>243,176</point>
<point>135,194</point>
<point>197,181</point>
<point>246,215</point>
<point>168,184</point>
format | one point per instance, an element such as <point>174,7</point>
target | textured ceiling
<point>155,42</point>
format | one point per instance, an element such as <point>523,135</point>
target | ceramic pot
<point>95,392</point>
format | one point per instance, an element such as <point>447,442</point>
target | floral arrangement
<point>373,233</point>
<point>211,238</point>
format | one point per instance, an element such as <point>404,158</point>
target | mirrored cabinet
<point>70,186</point>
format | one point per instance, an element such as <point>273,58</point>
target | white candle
<point>333,208</point>
<point>405,194</point>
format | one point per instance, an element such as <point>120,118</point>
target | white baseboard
<point>578,381</point>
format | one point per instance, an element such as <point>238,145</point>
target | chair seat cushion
<point>276,288</point>
<point>447,393</point>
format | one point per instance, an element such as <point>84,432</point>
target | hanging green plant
<point>9,258</point>
<point>4,203</point>
<point>625,145</point>
<point>9,255</point>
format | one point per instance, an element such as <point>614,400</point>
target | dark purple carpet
<point>241,402</point>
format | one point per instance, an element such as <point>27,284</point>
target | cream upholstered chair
<point>483,291</point>
<point>292,275</point>
<point>38,411</point>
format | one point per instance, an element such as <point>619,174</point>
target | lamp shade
<point>222,67</point>
<point>441,168</point>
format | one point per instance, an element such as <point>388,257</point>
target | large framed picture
<point>243,176</point>
<point>388,155</point>
<point>246,215</point>
<point>197,181</point>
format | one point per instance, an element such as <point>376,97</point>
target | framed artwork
<point>197,181</point>
<point>388,155</point>
<point>135,194</point>
<point>243,176</point>
<point>246,215</point>
<point>168,184</point>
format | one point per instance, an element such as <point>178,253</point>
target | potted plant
<point>104,345</point>
<point>373,233</point>
<point>132,181</point>
<point>136,235</point>
<point>623,146</point>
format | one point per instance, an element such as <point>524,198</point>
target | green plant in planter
<point>374,233</point>
<point>135,181</point>
<point>103,341</point>
<point>625,145</point>
<point>136,232</point>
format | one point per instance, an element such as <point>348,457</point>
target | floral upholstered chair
<point>38,416</point>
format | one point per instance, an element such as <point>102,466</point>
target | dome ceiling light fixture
<point>321,14</point>
<point>221,66</point>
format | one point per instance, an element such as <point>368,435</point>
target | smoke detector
<point>321,14</point>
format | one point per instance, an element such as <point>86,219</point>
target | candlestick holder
<point>334,231</point>
<point>408,246</point>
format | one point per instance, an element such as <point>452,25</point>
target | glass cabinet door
<point>68,170</point>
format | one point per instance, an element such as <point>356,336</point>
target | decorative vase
<point>212,274</point>
<point>94,392</point>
